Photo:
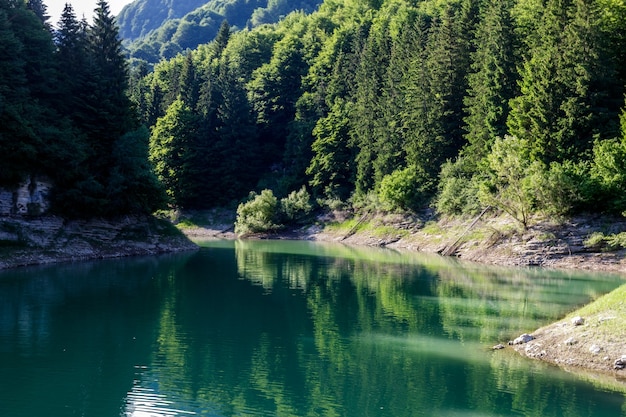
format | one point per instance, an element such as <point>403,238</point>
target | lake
<point>284,328</point>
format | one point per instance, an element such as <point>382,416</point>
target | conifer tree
<point>40,10</point>
<point>16,138</point>
<point>492,80</point>
<point>74,66</point>
<point>172,153</point>
<point>564,84</point>
<point>433,117</point>
<point>189,84</point>
<point>368,122</point>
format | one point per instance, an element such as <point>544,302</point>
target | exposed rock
<point>620,363</point>
<point>595,349</point>
<point>570,341</point>
<point>30,198</point>
<point>48,239</point>
<point>524,338</point>
<point>498,346</point>
<point>578,321</point>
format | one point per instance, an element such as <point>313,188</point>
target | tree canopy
<point>455,103</point>
<point>66,114</point>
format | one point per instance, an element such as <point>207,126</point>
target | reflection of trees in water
<point>494,304</point>
<point>301,334</point>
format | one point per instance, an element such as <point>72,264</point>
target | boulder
<point>524,338</point>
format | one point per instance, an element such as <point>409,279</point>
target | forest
<point>153,30</point>
<point>65,113</point>
<point>388,104</point>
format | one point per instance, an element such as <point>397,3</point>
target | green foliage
<point>610,242</point>
<point>559,189</point>
<point>491,80</point>
<point>133,186</point>
<point>608,172</point>
<point>296,207</point>
<point>172,150</point>
<point>347,97</point>
<point>458,188</point>
<point>565,100</point>
<point>259,214</point>
<point>264,213</point>
<point>405,189</point>
<point>157,29</point>
<point>507,186</point>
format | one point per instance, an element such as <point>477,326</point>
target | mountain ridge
<point>160,29</point>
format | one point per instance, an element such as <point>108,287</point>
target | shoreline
<point>493,240</point>
<point>497,241</point>
<point>50,239</point>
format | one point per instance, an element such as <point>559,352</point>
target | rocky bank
<point>49,239</point>
<point>29,235</point>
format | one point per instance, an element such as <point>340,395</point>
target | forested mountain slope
<point>155,29</point>
<point>65,114</point>
<point>459,103</point>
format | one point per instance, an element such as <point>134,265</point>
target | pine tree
<point>433,116</point>
<point>172,153</point>
<point>367,114</point>
<point>492,81</point>
<point>221,39</point>
<point>189,84</point>
<point>16,137</point>
<point>74,66</point>
<point>111,115</point>
<point>565,83</point>
<point>40,10</point>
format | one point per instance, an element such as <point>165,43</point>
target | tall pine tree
<point>565,84</point>
<point>492,80</point>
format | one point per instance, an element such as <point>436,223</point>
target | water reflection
<point>286,329</point>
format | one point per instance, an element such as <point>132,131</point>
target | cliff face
<point>30,198</point>
<point>30,235</point>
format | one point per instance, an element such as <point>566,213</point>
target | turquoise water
<point>279,328</point>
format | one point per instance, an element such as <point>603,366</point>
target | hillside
<point>156,29</point>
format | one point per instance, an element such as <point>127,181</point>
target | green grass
<point>612,304</point>
<point>611,242</point>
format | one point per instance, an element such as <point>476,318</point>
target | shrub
<point>296,206</point>
<point>258,215</point>
<point>508,185</point>
<point>558,190</point>
<point>458,189</point>
<point>405,189</point>
<point>608,171</point>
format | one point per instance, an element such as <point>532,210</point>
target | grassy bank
<point>594,345</point>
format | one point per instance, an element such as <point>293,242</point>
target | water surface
<point>287,329</point>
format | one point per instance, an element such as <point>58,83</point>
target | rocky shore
<point>50,239</point>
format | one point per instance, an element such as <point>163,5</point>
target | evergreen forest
<point>65,113</point>
<point>393,104</point>
<point>160,29</point>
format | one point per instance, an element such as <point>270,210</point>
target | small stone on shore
<point>570,341</point>
<point>595,349</point>
<point>578,321</point>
